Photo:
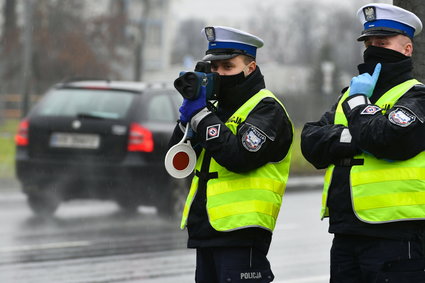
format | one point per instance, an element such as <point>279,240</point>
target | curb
<point>7,184</point>
<point>305,181</point>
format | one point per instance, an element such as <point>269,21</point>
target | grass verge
<point>7,148</point>
<point>299,165</point>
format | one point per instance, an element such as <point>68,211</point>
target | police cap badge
<point>210,33</point>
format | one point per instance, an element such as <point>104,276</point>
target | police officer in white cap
<point>372,144</point>
<point>243,145</point>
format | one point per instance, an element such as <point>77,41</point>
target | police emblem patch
<point>210,33</point>
<point>369,13</point>
<point>253,139</point>
<point>213,132</point>
<point>401,117</point>
<point>370,110</point>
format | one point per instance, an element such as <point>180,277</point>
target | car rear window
<point>110,104</point>
<point>160,109</point>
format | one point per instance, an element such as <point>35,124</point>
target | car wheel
<point>43,201</point>
<point>173,201</point>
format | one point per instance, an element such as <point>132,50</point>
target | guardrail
<point>10,105</point>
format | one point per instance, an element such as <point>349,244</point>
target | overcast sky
<point>230,11</point>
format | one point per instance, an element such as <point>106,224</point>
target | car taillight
<point>140,139</point>
<point>21,137</point>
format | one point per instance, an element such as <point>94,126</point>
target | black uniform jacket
<point>230,152</point>
<point>324,143</point>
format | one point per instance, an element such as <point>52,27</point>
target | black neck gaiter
<point>230,82</point>
<point>374,55</point>
<point>235,90</point>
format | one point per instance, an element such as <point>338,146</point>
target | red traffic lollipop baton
<point>180,159</point>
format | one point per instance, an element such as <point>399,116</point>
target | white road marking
<point>45,246</point>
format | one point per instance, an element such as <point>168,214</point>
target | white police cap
<point>227,42</point>
<point>381,19</point>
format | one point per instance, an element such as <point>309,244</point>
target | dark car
<point>100,140</point>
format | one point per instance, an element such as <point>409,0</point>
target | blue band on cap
<point>390,24</point>
<point>250,50</point>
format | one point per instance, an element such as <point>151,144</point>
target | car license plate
<point>67,140</point>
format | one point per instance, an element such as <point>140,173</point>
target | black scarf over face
<point>396,68</point>
<point>235,90</point>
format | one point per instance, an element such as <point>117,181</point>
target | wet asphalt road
<point>92,242</point>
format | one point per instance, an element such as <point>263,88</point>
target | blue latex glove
<point>365,83</point>
<point>191,107</point>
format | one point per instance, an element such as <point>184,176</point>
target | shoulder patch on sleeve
<point>370,110</point>
<point>212,132</point>
<point>401,117</point>
<point>253,139</point>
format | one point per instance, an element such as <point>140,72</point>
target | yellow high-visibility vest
<point>241,200</point>
<point>382,190</point>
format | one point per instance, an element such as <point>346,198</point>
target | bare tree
<point>288,39</point>
<point>188,41</point>
<point>317,37</point>
<point>10,34</point>
<point>10,48</point>
<point>64,43</point>
<point>61,44</point>
<point>9,42</point>
<point>418,7</point>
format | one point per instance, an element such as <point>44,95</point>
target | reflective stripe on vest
<point>251,199</point>
<point>382,190</point>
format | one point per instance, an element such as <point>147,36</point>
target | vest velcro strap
<point>205,176</point>
<point>348,162</point>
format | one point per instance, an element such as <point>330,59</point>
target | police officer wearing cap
<point>372,144</point>
<point>243,144</point>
